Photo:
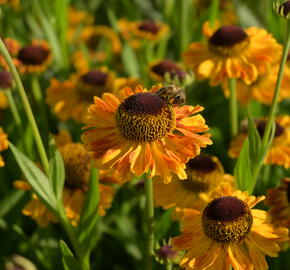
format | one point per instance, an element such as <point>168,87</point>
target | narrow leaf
<point>68,260</point>
<point>35,177</point>
<point>56,170</point>
<point>130,61</point>
<point>89,214</point>
<point>242,172</point>
<point>254,140</point>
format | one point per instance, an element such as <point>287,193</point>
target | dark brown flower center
<point>201,163</point>
<point>5,79</point>
<point>149,26</point>
<point>168,66</point>
<point>145,117</point>
<point>95,78</point>
<point>227,219</point>
<point>33,55</point>
<point>144,103</point>
<point>286,8</point>
<point>228,36</point>
<point>262,125</point>
<point>93,42</point>
<point>77,164</point>
<point>287,183</point>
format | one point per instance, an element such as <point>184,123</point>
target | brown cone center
<point>149,26</point>
<point>168,66</point>
<point>228,36</point>
<point>262,125</point>
<point>286,8</point>
<point>33,55</point>
<point>202,163</point>
<point>95,78</point>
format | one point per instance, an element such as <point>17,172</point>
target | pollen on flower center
<point>149,26</point>
<point>77,164</point>
<point>33,55</point>
<point>229,40</point>
<point>262,125</point>
<point>227,219</point>
<point>145,117</point>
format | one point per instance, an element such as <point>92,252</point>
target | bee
<point>172,94</point>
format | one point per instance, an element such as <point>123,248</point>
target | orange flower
<point>77,163</point>
<point>262,89</point>
<point>3,101</point>
<point>228,232</point>
<point>135,32</point>
<point>278,199</point>
<point>141,132</point>
<point>279,152</point>
<point>3,145</point>
<point>13,48</point>
<point>70,99</point>
<point>232,52</point>
<point>33,58</point>
<point>205,174</point>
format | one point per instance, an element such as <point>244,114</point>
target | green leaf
<point>89,214</point>
<point>7,203</point>
<point>130,61</point>
<point>254,140</point>
<point>243,172</point>
<point>68,260</point>
<point>56,170</point>
<point>36,178</point>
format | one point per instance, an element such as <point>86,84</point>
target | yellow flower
<point>101,42</point>
<point>77,163</point>
<point>232,52</point>
<point>142,132</point>
<point>135,32</point>
<point>120,83</point>
<point>76,19</point>
<point>3,145</point>
<point>228,232</point>
<point>13,3</point>
<point>278,199</point>
<point>205,174</point>
<point>3,101</point>
<point>33,58</point>
<point>279,152</point>
<point>158,70</point>
<point>262,89</point>
<point>70,99</point>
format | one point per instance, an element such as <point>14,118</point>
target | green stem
<point>274,103</point>
<point>213,12</point>
<point>26,106</point>
<point>183,24</point>
<point>168,266</point>
<point>13,108</point>
<point>233,107</point>
<point>150,223</point>
<point>84,261</point>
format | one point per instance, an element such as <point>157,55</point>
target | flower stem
<point>26,105</point>
<point>73,239</point>
<point>233,107</point>
<point>13,108</point>
<point>274,103</point>
<point>168,266</point>
<point>213,12</point>
<point>150,223</point>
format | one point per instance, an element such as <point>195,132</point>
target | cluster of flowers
<point>130,131</point>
